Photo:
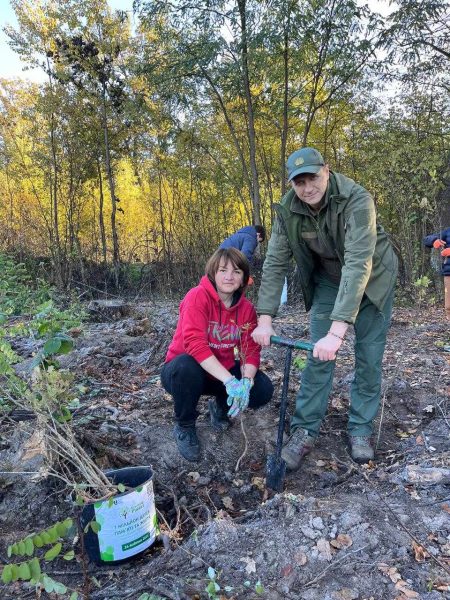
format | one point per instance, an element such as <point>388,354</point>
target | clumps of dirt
<point>296,545</point>
<point>339,531</point>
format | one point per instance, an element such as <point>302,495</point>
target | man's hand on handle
<point>325,349</point>
<point>264,331</point>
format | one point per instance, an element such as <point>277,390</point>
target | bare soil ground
<point>338,531</point>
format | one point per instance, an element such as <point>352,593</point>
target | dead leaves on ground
<point>327,548</point>
<point>341,541</point>
<point>400,584</point>
<point>259,482</point>
<point>300,558</point>
<point>324,548</point>
<point>250,564</point>
<point>405,591</point>
<point>228,503</point>
<point>420,554</point>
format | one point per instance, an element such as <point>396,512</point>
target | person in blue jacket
<point>246,240</point>
<point>441,242</point>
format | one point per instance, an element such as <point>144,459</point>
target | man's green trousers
<point>370,328</point>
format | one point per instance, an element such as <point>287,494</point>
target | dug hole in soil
<point>338,531</point>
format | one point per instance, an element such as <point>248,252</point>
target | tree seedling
<point>213,587</point>
<point>31,569</point>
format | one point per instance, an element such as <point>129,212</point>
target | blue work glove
<point>239,394</point>
<point>233,387</point>
<point>247,385</point>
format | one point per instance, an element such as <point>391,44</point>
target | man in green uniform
<point>347,270</point>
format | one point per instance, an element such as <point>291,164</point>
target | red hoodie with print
<point>206,327</point>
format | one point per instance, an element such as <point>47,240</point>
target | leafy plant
<point>50,320</point>
<point>50,394</point>
<point>18,295</point>
<point>299,362</point>
<point>213,587</point>
<point>59,344</point>
<point>50,397</point>
<point>31,569</point>
<point>21,295</point>
<point>421,286</point>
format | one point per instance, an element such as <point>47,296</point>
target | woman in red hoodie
<point>212,351</point>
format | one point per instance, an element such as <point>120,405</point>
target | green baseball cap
<point>306,160</point>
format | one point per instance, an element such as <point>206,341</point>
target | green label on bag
<point>128,523</point>
<point>135,543</point>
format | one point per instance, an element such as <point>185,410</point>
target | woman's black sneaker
<point>187,442</point>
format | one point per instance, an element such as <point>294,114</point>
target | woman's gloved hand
<point>445,252</point>
<point>234,390</point>
<point>233,386</point>
<point>247,385</point>
<point>438,244</point>
<point>238,395</point>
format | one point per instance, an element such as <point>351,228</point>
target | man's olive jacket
<point>369,264</point>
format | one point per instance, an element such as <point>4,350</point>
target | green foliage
<point>52,392</point>
<point>299,362</point>
<point>7,357</point>
<point>59,344</point>
<point>422,282</point>
<point>41,318</point>
<point>18,293</point>
<point>26,546</point>
<point>213,587</point>
<point>11,384</point>
<point>259,588</point>
<point>49,320</point>
<point>421,286</point>
<point>31,570</point>
<point>96,527</point>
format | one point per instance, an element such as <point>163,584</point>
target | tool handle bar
<point>298,344</point>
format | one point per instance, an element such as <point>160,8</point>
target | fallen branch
<point>115,455</point>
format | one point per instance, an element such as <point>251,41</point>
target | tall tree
<point>90,58</point>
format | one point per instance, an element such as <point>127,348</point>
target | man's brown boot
<point>361,448</point>
<point>298,445</point>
